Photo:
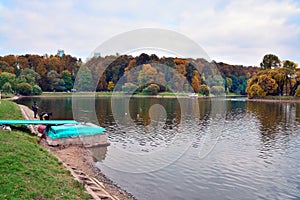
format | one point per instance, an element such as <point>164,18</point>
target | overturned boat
<point>87,134</point>
<point>66,132</point>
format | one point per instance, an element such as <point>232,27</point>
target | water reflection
<point>278,125</point>
<point>61,107</point>
<point>257,154</point>
<point>273,116</point>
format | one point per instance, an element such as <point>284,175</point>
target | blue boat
<point>66,132</point>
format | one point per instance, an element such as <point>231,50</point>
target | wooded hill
<point>144,73</point>
<point>151,74</point>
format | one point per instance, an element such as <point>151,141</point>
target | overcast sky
<point>231,31</point>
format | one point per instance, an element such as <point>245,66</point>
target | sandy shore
<point>80,158</point>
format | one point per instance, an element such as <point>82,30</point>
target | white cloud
<point>237,32</point>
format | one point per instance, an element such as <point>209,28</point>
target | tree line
<point>148,74</point>
<point>276,78</point>
<point>32,74</point>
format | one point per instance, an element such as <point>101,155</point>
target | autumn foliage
<point>144,73</point>
<point>275,79</point>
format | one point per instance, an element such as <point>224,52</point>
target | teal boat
<point>66,132</point>
<point>74,130</point>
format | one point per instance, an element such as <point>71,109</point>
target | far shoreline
<point>279,99</point>
<point>120,94</point>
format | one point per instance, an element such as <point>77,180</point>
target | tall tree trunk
<point>294,88</point>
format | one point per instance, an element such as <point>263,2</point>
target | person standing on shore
<point>35,109</point>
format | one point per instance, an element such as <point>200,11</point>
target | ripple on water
<point>257,154</point>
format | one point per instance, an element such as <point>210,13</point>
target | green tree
<point>242,85</point>
<point>36,90</point>
<point>215,80</point>
<point>270,61</point>
<point>84,80</point>
<point>67,77</point>
<point>59,85</point>
<point>24,89</point>
<point>28,76</point>
<point>228,84</point>
<point>7,87</point>
<point>7,77</point>
<point>52,79</point>
<point>290,64</point>
<point>234,83</point>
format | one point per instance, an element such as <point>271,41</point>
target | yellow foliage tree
<point>255,91</point>
<point>196,81</point>
<point>110,86</point>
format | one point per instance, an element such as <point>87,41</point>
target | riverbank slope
<point>79,159</point>
<point>28,171</point>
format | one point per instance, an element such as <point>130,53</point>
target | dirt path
<point>79,161</point>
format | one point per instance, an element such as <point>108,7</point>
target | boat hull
<point>86,134</point>
<point>87,140</point>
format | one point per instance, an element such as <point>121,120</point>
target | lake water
<point>185,148</point>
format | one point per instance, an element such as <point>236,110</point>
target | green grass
<point>9,110</point>
<point>6,95</point>
<point>78,93</point>
<point>29,171</point>
<point>171,94</point>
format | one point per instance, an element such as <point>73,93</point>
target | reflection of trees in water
<point>136,124</point>
<point>204,112</point>
<point>210,124</point>
<point>273,116</point>
<point>61,107</point>
<point>297,112</point>
<point>139,110</point>
<point>277,122</point>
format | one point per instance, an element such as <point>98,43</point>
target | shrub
<point>7,87</point>
<point>204,90</point>
<point>152,89</point>
<point>36,90</point>
<point>110,86</point>
<point>217,90</point>
<point>24,89</point>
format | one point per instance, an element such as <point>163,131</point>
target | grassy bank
<point>27,170</point>
<point>9,110</point>
<point>5,95</point>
